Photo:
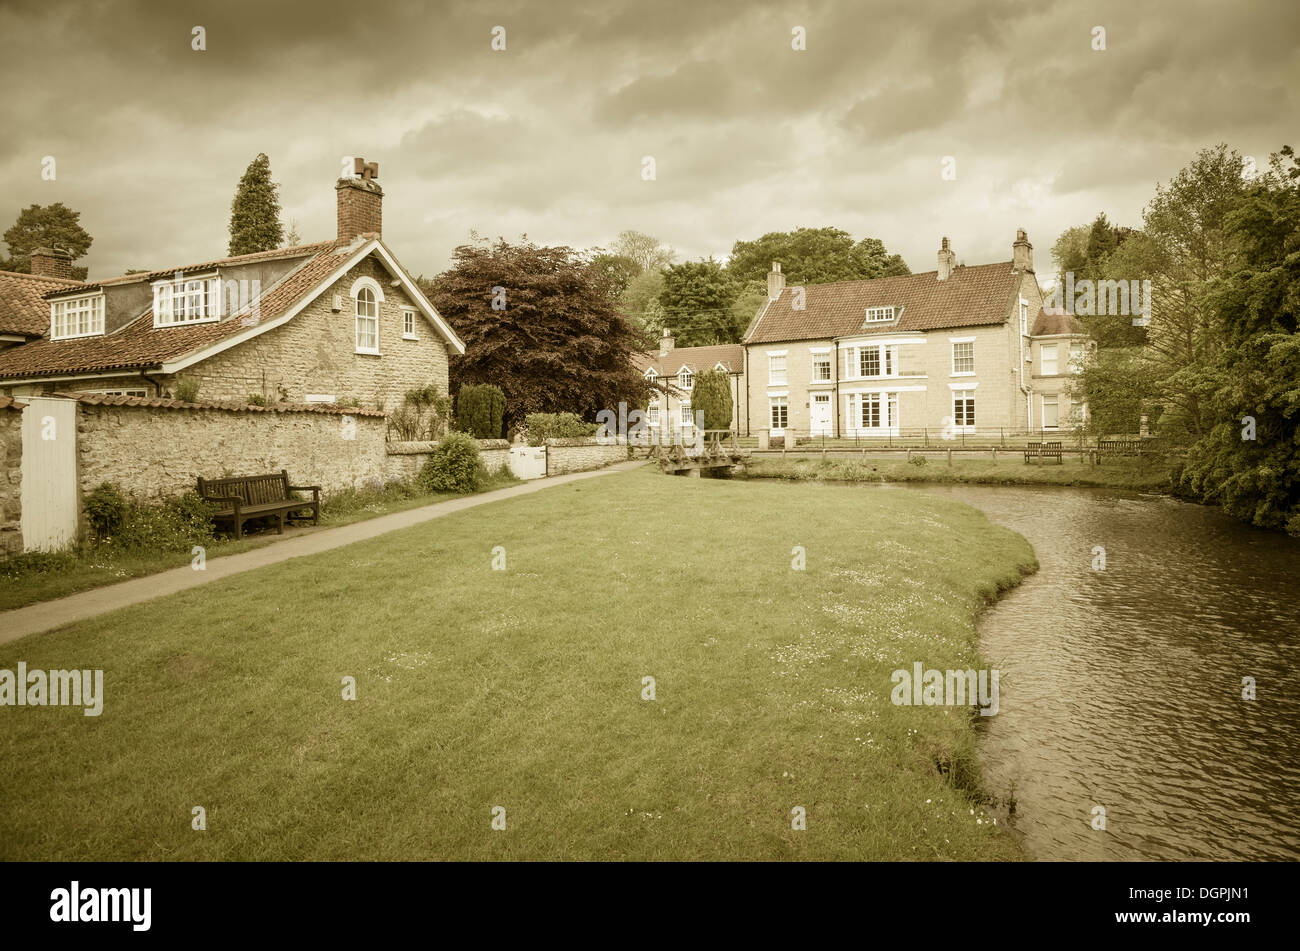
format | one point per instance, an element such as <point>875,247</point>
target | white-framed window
<point>652,414</point>
<point>77,317</point>
<point>408,324</point>
<point>963,410</point>
<point>685,378</point>
<point>963,358</point>
<point>1024,317</point>
<point>367,312</point>
<point>651,375</point>
<point>1078,412</point>
<point>1076,358</point>
<point>879,315</point>
<point>1051,412</point>
<point>871,414</point>
<point>1047,357</point>
<point>685,416</point>
<point>821,366</point>
<point>779,413</point>
<point>776,375</point>
<point>189,300</point>
<point>871,360</point>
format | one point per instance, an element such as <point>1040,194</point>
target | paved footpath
<point>47,615</point>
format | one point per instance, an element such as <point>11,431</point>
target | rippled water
<point>1122,688</point>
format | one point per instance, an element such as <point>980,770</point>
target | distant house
<point>317,323</point>
<point>955,350</point>
<point>673,369</point>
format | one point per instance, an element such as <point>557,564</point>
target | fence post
<point>950,455</point>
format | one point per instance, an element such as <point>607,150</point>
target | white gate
<point>528,462</point>
<point>49,473</point>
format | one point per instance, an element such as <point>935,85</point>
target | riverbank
<point>1146,474</point>
<point>665,669</point>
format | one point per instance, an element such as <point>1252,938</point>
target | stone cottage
<point>336,321</point>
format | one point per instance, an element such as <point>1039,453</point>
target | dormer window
<point>77,317</point>
<point>651,375</point>
<point>685,378</point>
<point>880,315</point>
<point>186,300</point>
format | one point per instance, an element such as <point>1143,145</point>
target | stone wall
<point>11,477</point>
<point>406,459</point>
<point>153,448</point>
<point>580,455</point>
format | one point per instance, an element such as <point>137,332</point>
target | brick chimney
<point>51,262</point>
<point>1022,252</point>
<point>775,281</point>
<point>361,202</point>
<point>666,342</point>
<point>947,261</point>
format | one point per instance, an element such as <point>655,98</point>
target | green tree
<point>1248,460</point>
<point>551,338</point>
<point>813,256</point>
<point>697,297</point>
<point>615,271</point>
<point>480,409</point>
<point>645,250</point>
<point>48,226</point>
<point>255,211</point>
<point>711,395</point>
<point>640,301</point>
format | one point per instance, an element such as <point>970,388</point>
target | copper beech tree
<point>539,323</point>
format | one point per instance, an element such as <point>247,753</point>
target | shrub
<point>543,426</point>
<point>917,461</point>
<point>480,408</point>
<point>256,399</point>
<point>174,525</point>
<point>347,401</point>
<point>106,510</point>
<point>186,390</point>
<point>454,466</point>
<point>424,414</point>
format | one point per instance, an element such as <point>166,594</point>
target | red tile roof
<point>275,254</point>
<point>973,296</point>
<point>140,345</point>
<point>231,406</point>
<point>1054,320</point>
<point>731,356</point>
<point>22,311</point>
<point>8,402</point>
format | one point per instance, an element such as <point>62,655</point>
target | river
<point>1122,688</point>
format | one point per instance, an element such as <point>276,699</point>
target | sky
<point>549,136</point>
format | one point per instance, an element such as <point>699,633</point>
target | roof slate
<point>22,309</point>
<point>972,296</point>
<point>731,355</point>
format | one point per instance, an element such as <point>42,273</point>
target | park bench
<point>1043,450</point>
<point>1118,447</point>
<point>239,498</point>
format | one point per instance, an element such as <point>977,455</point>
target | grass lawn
<point>1147,473</point>
<point>523,689</point>
<point>43,577</point>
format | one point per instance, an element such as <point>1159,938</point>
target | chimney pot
<point>775,281</point>
<point>1022,252</point>
<point>360,202</point>
<point>51,262</point>
<point>947,260</point>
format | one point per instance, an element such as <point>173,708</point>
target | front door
<point>820,414</point>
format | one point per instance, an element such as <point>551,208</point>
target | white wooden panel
<point>528,462</point>
<point>49,473</point>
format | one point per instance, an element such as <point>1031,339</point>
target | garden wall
<point>406,459</point>
<point>156,447</point>
<point>581,455</point>
<point>11,476</point>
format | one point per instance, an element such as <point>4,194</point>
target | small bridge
<point>720,455</point>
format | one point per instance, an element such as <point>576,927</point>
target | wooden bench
<point>1043,450</point>
<point>1118,447</point>
<point>239,498</point>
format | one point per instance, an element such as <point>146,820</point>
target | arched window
<point>367,321</point>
